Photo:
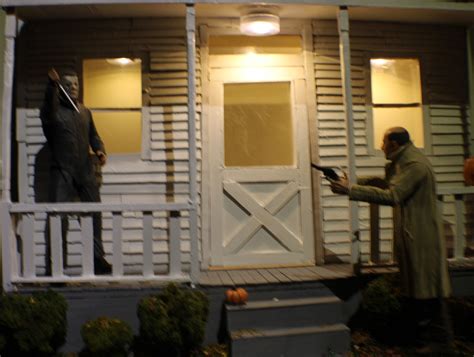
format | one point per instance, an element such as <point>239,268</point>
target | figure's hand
<point>53,75</point>
<point>102,157</point>
<point>340,186</point>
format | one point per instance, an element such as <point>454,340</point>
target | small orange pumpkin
<point>236,296</point>
<point>469,171</point>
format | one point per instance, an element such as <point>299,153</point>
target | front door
<point>260,188</point>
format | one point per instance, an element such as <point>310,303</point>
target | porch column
<point>8,68</point>
<point>193,224</point>
<point>345,57</point>
<point>470,66</point>
<point>8,264</point>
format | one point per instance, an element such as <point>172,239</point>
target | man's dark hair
<point>399,135</point>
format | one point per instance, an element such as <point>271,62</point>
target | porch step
<point>284,292</point>
<point>285,313</point>
<point>291,327</point>
<point>312,341</point>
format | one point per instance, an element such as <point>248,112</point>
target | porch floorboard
<point>263,276</point>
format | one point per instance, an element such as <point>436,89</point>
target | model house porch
<point>211,133</point>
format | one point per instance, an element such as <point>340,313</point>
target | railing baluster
<point>27,235</point>
<point>440,207</point>
<point>87,233</point>
<point>175,243</point>
<point>56,245</point>
<point>147,244</point>
<point>460,241</point>
<point>117,259</point>
<point>374,233</point>
<point>9,261</point>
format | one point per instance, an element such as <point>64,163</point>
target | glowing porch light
<point>260,24</point>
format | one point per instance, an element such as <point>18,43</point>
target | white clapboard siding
<point>441,50</point>
<point>160,176</point>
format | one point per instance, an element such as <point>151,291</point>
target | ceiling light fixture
<point>259,22</point>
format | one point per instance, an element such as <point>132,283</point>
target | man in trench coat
<point>419,243</point>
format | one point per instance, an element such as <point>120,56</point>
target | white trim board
<point>406,4</point>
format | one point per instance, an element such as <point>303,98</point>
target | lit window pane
<point>120,131</point>
<point>258,124</point>
<point>110,84</point>
<point>409,118</point>
<point>395,81</point>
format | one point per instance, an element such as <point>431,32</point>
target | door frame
<point>230,179</point>
<point>210,27</point>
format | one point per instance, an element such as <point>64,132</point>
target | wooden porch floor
<point>264,276</point>
<point>232,277</point>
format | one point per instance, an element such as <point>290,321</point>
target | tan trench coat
<point>420,244</point>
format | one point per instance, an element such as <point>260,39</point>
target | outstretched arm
<point>401,187</point>
<point>50,105</point>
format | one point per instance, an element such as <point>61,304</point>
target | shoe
<point>102,267</point>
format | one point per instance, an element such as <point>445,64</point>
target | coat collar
<point>397,154</point>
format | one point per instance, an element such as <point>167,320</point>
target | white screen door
<point>260,189</point>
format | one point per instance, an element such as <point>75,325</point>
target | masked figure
<point>71,134</point>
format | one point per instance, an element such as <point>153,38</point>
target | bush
<point>173,322</point>
<point>384,314</point>
<point>381,297</point>
<point>32,325</point>
<point>106,336</point>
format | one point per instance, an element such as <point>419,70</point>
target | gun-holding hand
<point>328,172</point>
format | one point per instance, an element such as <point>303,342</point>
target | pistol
<point>327,171</point>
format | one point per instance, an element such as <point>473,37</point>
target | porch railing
<point>456,222</point>
<point>18,232</point>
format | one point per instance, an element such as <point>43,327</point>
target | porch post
<point>345,57</point>
<point>470,66</point>
<point>8,264</point>
<point>193,223</point>
<point>8,68</point>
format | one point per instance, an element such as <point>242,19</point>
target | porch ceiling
<point>298,11</point>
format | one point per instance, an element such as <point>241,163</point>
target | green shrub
<point>381,297</point>
<point>32,325</point>
<point>107,336</point>
<point>173,322</point>
<point>385,312</point>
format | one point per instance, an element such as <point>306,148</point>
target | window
<point>396,97</point>
<point>112,91</point>
<point>258,124</point>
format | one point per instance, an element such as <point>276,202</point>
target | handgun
<point>327,171</point>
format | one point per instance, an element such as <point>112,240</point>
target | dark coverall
<point>69,135</point>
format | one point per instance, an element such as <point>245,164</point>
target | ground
<point>393,337</point>
<point>364,345</point>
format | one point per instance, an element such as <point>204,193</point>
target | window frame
<point>373,148</point>
<point>145,148</point>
